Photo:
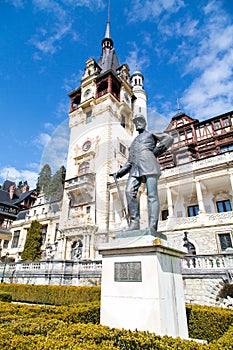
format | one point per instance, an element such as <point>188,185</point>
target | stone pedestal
<point>142,286</point>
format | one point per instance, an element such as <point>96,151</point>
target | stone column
<point>231,179</point>
<point>111,208</point>
<point>169,202</point>
<point>86,244</point>
<point>200,197</point>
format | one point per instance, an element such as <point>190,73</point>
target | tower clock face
<point>86,146</point>
<point>87,93</point>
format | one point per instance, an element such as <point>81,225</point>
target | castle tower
<point>140,96</point>
<point>101,129</point>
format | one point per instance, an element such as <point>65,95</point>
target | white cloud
<point>73,81</point>
<point>42,140</point>
<point>49,126</point>
<point>47,39</point>
<point>16,3</point>
<point>156,121</point>
<point>151,10</point>
<point>55,151</point>
<point>16,175</point>
<point>138,58</point>
<point>50,43</point>
<point>62,109</point>
<point>211,91</point>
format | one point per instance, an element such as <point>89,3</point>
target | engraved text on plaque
<point>128,271</point>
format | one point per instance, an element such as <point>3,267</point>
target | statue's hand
<point>158,150</point>
<point>115,175</point>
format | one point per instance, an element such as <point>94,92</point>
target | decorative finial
<point>109,11</point>
<point>107,34</point>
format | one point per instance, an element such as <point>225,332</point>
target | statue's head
<point>139,122</point>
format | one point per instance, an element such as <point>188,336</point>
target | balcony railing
<point>212,219</point>
<point>81,179</point>
<point>208,262</point>
<point>198,266</point>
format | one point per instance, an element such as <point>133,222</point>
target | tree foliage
<point>32,247</point>
<point>51,185</point>
<point>44,179</point>
<point>57,183</point>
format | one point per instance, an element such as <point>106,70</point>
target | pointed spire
<point>178,105</point>
<point>108,59</point>
<point>107,41</point>
<point>107,33</point>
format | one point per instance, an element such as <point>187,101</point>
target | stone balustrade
<point>203,275</point>
<point>190,263</point>
<point>214,261</point>
<point>202,220</point>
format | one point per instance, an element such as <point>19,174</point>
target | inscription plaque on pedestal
<point>128,271</point>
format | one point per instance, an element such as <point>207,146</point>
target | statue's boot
<point>153,225</point>
<point>134,225</point>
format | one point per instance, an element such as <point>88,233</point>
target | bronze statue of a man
<point>142,166</point>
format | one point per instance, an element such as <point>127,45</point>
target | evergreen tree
<point>57,183</point>
<point>44,179</point>
<point>32,247</point>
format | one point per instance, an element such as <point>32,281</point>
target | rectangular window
<point>226,148</point>
<point>15,239</point>
<point>88,117</point>
<point>43,233</point>
<point>182,136</point>
<point>193,210</point>
<point>88,210</point>
<point>225,241</point>
<point>164,214</point>
<point>189,134</point>
<point>5,243</point>
<point>122,149</point>
<point>175,137</point>
<point>225,122</point>
<point>217,125</point>
<point>223,206</point>
<point>123,121</point>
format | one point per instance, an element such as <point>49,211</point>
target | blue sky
<point>184,48</point>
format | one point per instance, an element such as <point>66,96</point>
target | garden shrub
<point>6,297</point>
<point>52,295</point>
<point>206,322</point>
<point>32,327</point>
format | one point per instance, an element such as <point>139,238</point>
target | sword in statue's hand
<point>120,197</point>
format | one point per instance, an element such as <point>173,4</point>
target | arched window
<point>84,168</point>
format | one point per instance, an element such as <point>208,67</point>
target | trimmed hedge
<point>51,295</point>
<point>206,322</point>
<point>46,327</point>
<point>7,297</point>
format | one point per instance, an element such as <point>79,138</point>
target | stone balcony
<point>201,220</point>
<point>81,189</point>
<point>88,178</point>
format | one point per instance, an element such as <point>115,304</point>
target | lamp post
<point>4,268</point>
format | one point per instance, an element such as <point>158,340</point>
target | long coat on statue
<point>143,152</point>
